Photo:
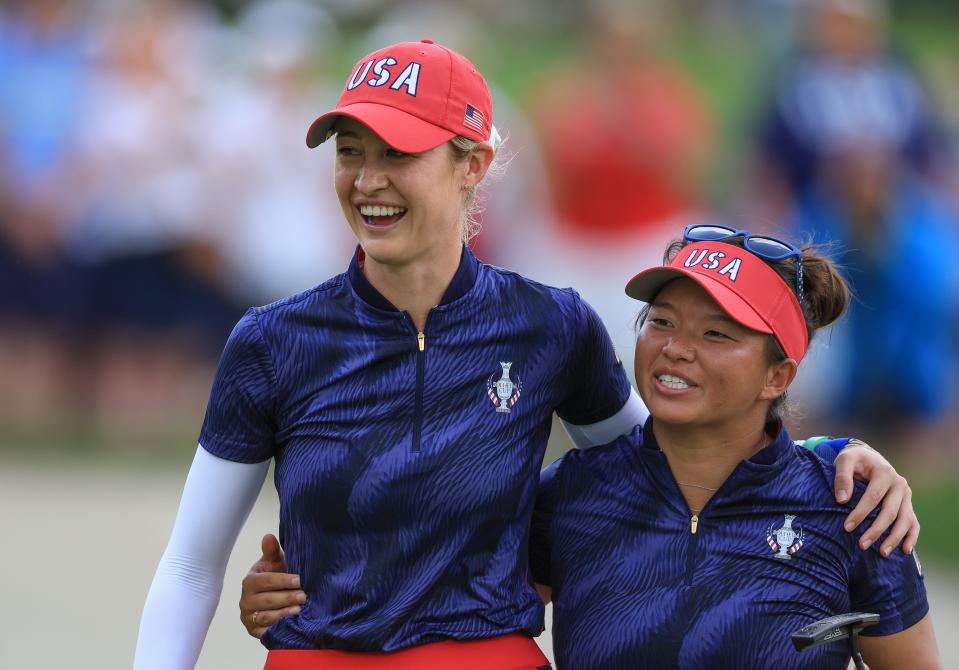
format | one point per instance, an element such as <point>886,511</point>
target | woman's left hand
<point>886,487</point>
<point>269,592</point>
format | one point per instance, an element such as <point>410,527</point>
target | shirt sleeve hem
<point>899,623</point>
<point>231,450</point>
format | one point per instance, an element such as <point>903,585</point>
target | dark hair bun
<point>825,292</point>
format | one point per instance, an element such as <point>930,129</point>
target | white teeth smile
<point>377,210</point>
<point>673,382</point>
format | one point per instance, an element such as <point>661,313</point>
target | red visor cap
<point>415,96</point>
<point>747,289</point>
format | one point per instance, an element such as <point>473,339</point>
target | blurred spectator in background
<point>844,86</point>
<point>899,234</point>
<point>44,79</point>
<point>624,132</point>
<point>851,152</point>
<point>625,138</point>
<point>266,201</point>
<point>142,225</point>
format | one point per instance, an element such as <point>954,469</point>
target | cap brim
<point>648,283</point>
<point>401,130</point>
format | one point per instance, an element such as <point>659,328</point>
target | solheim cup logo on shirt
<point>504,392</point>
<point>785,540</point>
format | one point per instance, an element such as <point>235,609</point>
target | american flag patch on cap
<point>473,119</point>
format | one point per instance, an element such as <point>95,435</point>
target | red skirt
<point>507,652</point>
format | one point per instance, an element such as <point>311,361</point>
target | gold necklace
<point>763,444</point>
<point>711,489</point>
<point>698,486</point>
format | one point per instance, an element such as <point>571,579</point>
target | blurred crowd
<point>154,181</point>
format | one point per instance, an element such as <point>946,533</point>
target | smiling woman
<point>732,368</point>
<point>405,208</point>
<point>406,405</point>
<point>728,539</point>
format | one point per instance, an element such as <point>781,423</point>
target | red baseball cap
<point>747,289</point>
<point>415,96</point>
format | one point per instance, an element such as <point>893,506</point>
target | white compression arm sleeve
<point>216,502</point>
<point>632,414</point>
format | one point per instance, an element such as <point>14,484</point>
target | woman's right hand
<point>269,592</point>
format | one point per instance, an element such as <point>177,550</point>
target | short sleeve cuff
<point>234,451</point>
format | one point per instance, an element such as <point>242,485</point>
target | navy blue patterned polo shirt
<point>407,462</point>
<point>637,584</point>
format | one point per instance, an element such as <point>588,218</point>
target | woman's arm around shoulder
<point>216,501</point>
<point>886,489</point>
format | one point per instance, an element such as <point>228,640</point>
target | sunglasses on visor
<point>768,248</point>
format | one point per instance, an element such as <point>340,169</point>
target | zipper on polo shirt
<point>420,354</point>
<point>692,542</point>
<point>692,546</point>
<point>420,375</point>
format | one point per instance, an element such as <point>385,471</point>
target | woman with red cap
<point>706,537</point>
<point>406,405</point>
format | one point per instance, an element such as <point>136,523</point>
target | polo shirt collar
<point>461,283</point>
<point>768,455</point>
